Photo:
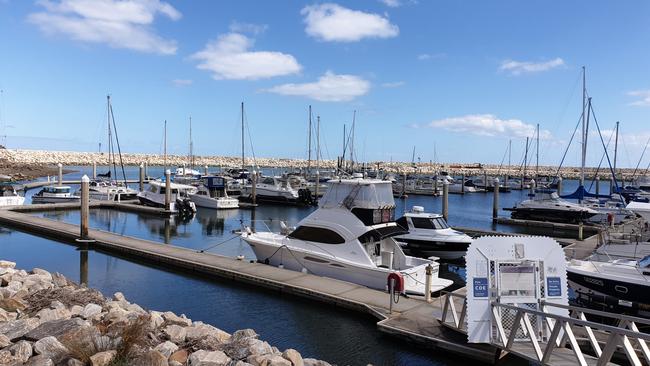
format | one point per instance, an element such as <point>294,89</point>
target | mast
<point>108,121</point>
<point>309,143</point>
<point>537,155</point>
<point>243,157</point>
<point>615,148</point>
<point>354,118</point>
<point>317,142</point>
<point>165,146</point>
<point>191,157</point>
<point>584,126</point>
<point>525,159</point>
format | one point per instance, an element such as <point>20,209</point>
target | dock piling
<point>168,190</point>
<point>532,186</point>
<point>60,179</point>
<point>317,183</point>
<point>597,185</point>
<point>205,171</point>
<point>391,291</point>
<point>485,181</point>
<point>146,170</point>
<point>580,231</point>
<point>254,188</point>
<point>85,183</point>
<point>94,170</point>
<point>559,186</point>
<point>403,185</point>
<point>445,200</point>
<point>141,177</point>
<point>495,202</point>
<point>427,283</point>
<point>462,184</point>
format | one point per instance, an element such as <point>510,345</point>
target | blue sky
<point>458,77</point>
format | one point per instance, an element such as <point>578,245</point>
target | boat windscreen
<point>645,262</point>
<point>370,196</point>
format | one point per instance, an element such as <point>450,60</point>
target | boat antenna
<point>309,144</point>
<point>317,143</point>
<point>525,159</point>
<point>165,146</point>
<point>119,150</point>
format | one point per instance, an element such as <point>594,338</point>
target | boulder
<point>55,328</point>
<point>46,315</point>
<point>201,330</point>
<point>153,358</point>
<point>21,351</point>
<point>179,356</point>
<point>206,358</point>
<point>175,333</point>
<point>39,360</point>
<point>102,358</point>
<point>174,363</point>
<point>118,296</point>
<point>7,359</point>
<point>91,310</point>
<point>243,334</point>
<point>73,362</point>
<point>76,310</point>
<point>315,362</point>
<point>267,360</point>
<point>4,341</point>
<point>50,347</point>
<point>293,356</point>
<point>42,273</point>
<point>172,318</point>
<point>242,363</point>
<point>6,316</point>
<point>7,264</point>
<point>59,280</point>
<point>166,348</point>
<point>17,328</point>
<point>258,347</point>
<point>155,319</point>
<point>12,304</point>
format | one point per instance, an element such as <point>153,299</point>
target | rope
<point>557,173</point>
<point>216,245</point>
<point>290,252</point>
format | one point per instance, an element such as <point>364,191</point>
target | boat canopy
<point>581,193</point>
<point>358,193</point>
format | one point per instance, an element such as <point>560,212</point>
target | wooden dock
<point>412,319</point>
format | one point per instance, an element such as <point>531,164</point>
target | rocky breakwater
<point>45,319</point>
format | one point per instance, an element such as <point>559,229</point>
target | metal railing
<point>596,343</point>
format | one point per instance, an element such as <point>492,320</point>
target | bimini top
<point>358,193</point>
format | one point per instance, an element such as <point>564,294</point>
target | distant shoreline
<point>36,163</point>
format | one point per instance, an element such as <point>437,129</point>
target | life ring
<point>398,285</point>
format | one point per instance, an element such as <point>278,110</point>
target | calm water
<point>314,329</point>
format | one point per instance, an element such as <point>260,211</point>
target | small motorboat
<point>9,196</point>
<point>106,190</point>
<point>212,193</point>
<point>55,194</point>
<point>546,205</point>
<point>180,201</point>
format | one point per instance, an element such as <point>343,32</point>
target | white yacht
<point>105,190</point>
<point>272,189</point>
<point>180,202</point>
<point>640,208</point>
<point>546,205</point>
<point>9,196</point>
<point>608,209</point>
<point>620,285</point>
<point>430,235</point>
<point>350,237</point>
<point>55,194</point>
<point>212,193</point>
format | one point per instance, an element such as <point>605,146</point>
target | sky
<point>455,81</point>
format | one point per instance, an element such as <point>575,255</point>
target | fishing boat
<point>9,196</point>
<point>430,235</point>
<point>349,237</point>
<point>55,194</point>
<point>546,205</point>
<point>212,193</point>
<point>620,285</point>
<point>180,201</point>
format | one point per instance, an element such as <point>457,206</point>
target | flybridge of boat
<point>370,200</point>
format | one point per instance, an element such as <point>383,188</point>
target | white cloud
<point>239,27</point>
<point>120,24</point>
<point>395,84</point>
<point>229,57</point>
<point>182,82</point>
<point>426,56</point>
<point>527,67</point>
<point>392,3</point>
<point>329,88</point>
<point>332,22</point>
<point>643,97</point>
<point>489,125</point>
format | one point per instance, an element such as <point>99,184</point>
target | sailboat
<point>185,175</point>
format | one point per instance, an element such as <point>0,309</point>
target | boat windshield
<point>427,223</point>
<point>645,262</point>
<point>358,194</point>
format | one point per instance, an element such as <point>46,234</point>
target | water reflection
<point>83,266</point>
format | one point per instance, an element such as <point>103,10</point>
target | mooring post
<point>205,171</point>
<point>83,265</point>
<point>462,183</point>
<point>60,181</point>
<point>445,200</point>
<point>495,202</point>
<point>168,190</point>
<point>559,186</point>
<point>522,180</point>
<point>403,185</point>
<point>485,181</point>
<point>94,170</point>
<point>435,185</point>
<point>391,291</point>
<point>141,177</point>
<point>505,181</point>
<point>85,183</point>
<point>317,183</point>
<point>146,170</point>
<point>254,188</point>
<point>580,232</point>
<point>532,187</point>
<point>597,185</point>
<point>427,283</point>
<point>611,185</point>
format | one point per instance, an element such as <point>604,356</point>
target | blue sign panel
<point>480,287</point>
<point>554,286</point>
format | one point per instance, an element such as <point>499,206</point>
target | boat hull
<point>427,248</point>
<point>542,214</point>
<point>214,203</point>
<point>12,201</point>
<point>40,199</point>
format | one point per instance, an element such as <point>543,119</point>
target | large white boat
<point>212,193</point>
<point>180,202</point>
<point>619,285</point>
<point>430,235</point>
<point>640,208</point>
<point>9,196</point>
<point>546,205</point>
<point>55,194</point>
<point>350,237</point>
<point>106,190</point>
<point>272,189</point>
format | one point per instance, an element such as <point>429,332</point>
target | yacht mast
<point>309,144</point>
<point>525,160</point>
<point>191,147</point>
<point>111,158</point>
<point>615,148</point>
<point>584,127</point>
<point>537,155</point>
<point>354,118</point>
<point>165,145</point>
<point>317,142</point>
<point>243,158</point>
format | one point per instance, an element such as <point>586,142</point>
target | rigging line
<point>611,169</point>
<point>502,160</point>
<point>641,158</point>
<point>250,139</point>
<point>119,151</point>
<point>555,127</point>
<point>216,245</point>
<point>557,173</point>
<point>600,163</point>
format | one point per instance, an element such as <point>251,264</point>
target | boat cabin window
<point>57,189</point>
<point>427,223</point>
<point>268,181</point>
<point>153,189</point>
<point>645,262</point>
<point>174,190</point>
<point>402,223</point>
<point>317,234</point>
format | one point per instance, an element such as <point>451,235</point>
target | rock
<point>118,296</point>
<point>155,319</point>
<point>73,362</point>
<point>166,348</point>
<point>201,330</point>
<point>175,333</point>
<point>102,358</point>
<point>118,315</point>
<point>7,359</point>
<point>172,318</point>
<point>59,280</point>
<point>54,328</point>
<point>43,273</point>
<point>257,347</point>
<point>7,264</point>
<point>46,315</point>
<point>205,358</point>
<point>39,360</point>
<point>17,328</point>
<point>6,316</point>
<point>12,304</point>
<point>50,347</point>
<point>179,356</point>
<point>174,363</point>
<point>243,334</point>
<point>4,341</point>
<point>267,360</point>
<point>91,310</point>
<point>315,362</point>
<point>242,363</point>
<point>135,308</point>
<point>76,310</point>
<point>21,351</point>
<point>153,358</point>
<point>293,356</point>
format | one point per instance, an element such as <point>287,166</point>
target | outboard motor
<point>185,206</point>
<point>305,197</point>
